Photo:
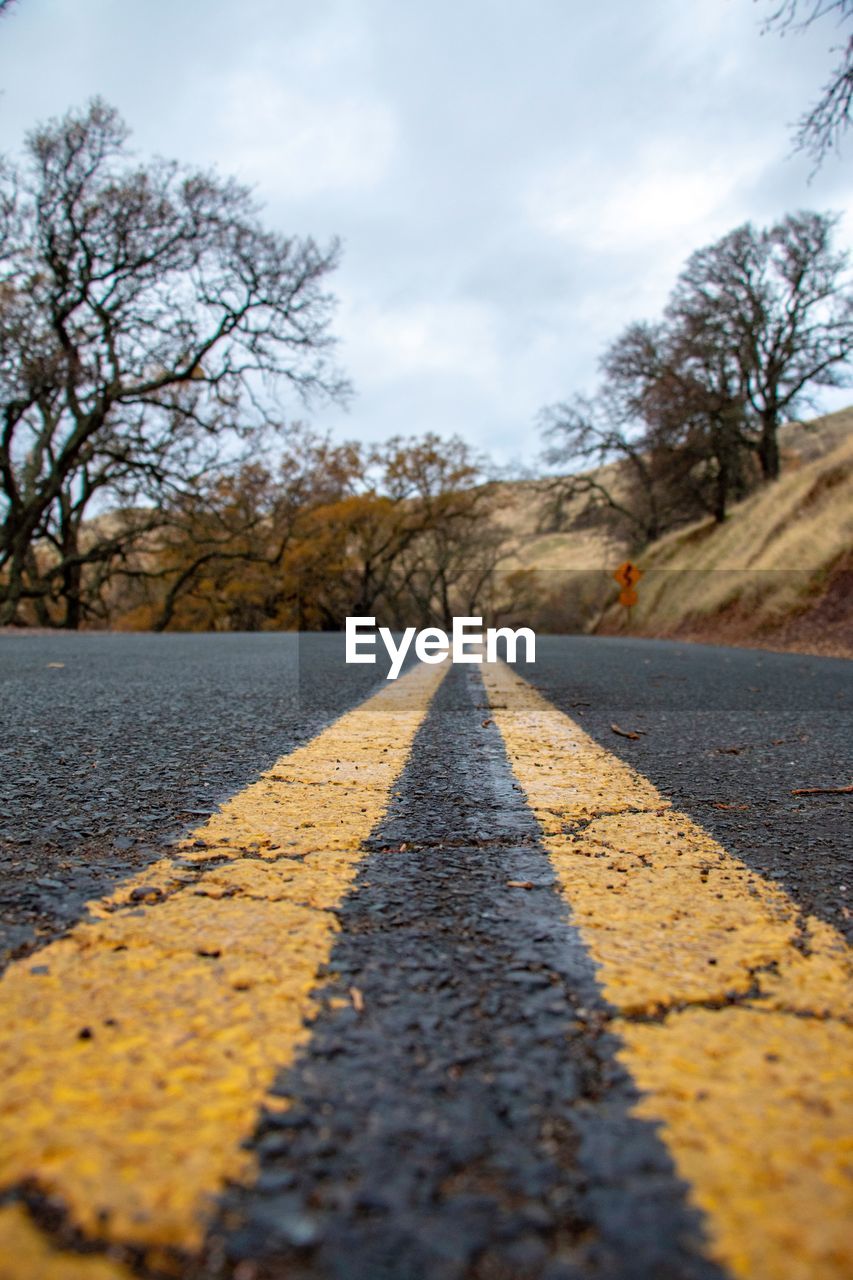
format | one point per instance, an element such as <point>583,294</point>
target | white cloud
<point>389,342</point>
<point>304,144</point>
<point>661,198</point>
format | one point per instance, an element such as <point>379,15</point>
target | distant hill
<point>777,573</point>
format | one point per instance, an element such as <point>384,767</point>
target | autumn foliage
<point>403,531</point>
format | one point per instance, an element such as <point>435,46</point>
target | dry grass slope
<point>778,573</point>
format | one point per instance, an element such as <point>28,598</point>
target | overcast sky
<point>513,180</point>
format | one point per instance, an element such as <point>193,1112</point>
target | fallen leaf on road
<point>486,724</point>
<point>519,884</point>
<point>627,733</point>
<point>822,791</point>
<point>56,665</point>
<point>357,999</point>
<point>718,804</point>
<point>730,751</point>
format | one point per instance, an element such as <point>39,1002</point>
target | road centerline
<point>731,1005</point>
<point>137,1050</point>
<point>456,1108</point>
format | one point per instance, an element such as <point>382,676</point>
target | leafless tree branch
<point>820,129</point>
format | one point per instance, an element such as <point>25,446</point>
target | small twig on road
<point>822,791</point>
<point>628,733</point>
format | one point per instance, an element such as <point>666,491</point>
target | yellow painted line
<point>32,1256</point>
<point>135,1053</point>
<point>754,1098</point>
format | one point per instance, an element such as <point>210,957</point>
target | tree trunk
<point>72,580</point>
<point>12,591</point>
<point>721,493</point>
<point>768,448</point>
<point>73,605</point>
<point>8,606</point>
<point>40,605</point>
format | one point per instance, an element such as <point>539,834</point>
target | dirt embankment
<point>825,626</point>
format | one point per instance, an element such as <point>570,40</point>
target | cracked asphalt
<point>459,1104</point>
<point>471,1120</point>
<point>728,735</point>
<point>112,746</point>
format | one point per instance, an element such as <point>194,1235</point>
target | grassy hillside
<point>580,544</point>
<point>778,573</point>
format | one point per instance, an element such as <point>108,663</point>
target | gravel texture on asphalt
<point>134,739</point>
<point>727,735</point>
<point>459,1111</point>
<point>111,746</point>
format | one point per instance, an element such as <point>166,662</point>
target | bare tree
<point>821,128</point>
<point>687,405</point>
<point>414,527</point>
<point>604,444</point>
<point>774,309</point>
<point>680,379</point>
<point>448,566</point>
<point>146,320</point>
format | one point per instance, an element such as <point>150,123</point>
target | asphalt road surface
<point>312,975</point>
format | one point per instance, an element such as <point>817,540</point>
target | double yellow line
<point>137,1052</point>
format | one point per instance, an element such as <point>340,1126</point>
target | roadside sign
<point>628,597</point>
<point>628,575</point>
